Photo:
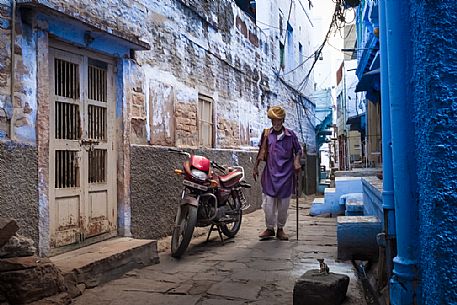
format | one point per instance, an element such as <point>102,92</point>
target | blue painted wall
<point>435,82</point>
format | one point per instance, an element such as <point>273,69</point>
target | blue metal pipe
<point>387,169</point>
<point>404,282</point>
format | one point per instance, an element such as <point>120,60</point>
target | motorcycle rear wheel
<point>182,233</point>
<point>231,229</point>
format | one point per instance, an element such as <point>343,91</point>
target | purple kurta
<point>278,174</point>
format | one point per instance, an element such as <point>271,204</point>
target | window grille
<point>97,166</point>
<point>66,81</point>
<point>66,169</point>
<point>67,121</point>
<point>97,84</point>
<point>97,123</point>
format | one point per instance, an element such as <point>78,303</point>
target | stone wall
<point>186,125</point>
<point>6,107</point>
<point>156,189</point>
<point>19,186</point>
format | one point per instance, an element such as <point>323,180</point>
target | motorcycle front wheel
<point>231,229</point>
<point>184,228</point>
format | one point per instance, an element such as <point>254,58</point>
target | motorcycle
<point>207,199</point>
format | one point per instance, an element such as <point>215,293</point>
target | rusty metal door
<point>83,166</point>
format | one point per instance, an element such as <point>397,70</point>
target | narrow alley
<point>242,271</point>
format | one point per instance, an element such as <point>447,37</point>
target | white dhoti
<point>276,211</point>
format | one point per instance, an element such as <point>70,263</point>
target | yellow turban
<point>276,112</point>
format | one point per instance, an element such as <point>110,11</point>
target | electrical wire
<point>287,22</point>
<point>338,22</point>
<point>306,13</point>
<point>268,25</point>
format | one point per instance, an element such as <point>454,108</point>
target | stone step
<point>90,266</point>
<point>331,199</point>
<point>329,190</point>
<point>356,237</point>
<point>354,208</point>
<point>319,200</point>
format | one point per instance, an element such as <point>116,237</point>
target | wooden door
<point>82,149</point>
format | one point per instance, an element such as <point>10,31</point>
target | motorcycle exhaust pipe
<point>216,209</point>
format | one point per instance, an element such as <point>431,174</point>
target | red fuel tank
<point>200,163</point>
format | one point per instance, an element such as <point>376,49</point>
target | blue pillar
<point>404,281</point>
<point>388,179</point>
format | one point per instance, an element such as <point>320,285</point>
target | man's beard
<point>277,129</point>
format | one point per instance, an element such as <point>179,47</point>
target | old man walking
<point>280,149</point>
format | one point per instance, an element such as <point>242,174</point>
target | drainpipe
<point>387,179</point>
<point>13,42</point>
<point>404,282</point>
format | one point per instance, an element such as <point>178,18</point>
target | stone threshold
<point>104,261</point>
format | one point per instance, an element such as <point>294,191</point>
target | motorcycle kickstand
<point>218,231</point>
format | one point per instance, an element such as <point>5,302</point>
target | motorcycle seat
<point>230,176</point>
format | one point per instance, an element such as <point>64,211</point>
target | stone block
<point>138,99</point>
<point>8,228</point>
<point>39,279</point>
<point>58,299</point>
<point>20,263</point>
<point>314,288</point>
<point>17,246</point>
<point>356,237</point>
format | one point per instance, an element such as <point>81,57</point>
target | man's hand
<point>255,172</point>
<point>297,164</point>
<point>297,171</point>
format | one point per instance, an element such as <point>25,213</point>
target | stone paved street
<point>243,271</point>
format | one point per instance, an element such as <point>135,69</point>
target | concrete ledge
<point>372,197</point>
<point>320,200</point>
<point>356,237</point>
<point>104,261</point>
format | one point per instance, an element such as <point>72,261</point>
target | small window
<point>290,47</point>
<point>280,23</point>
<point>205,121</point>
<point>281,56</point>
<point>300,53</point>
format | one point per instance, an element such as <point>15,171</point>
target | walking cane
<point>296,206</point>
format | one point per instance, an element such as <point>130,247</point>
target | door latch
<point>89,144</point>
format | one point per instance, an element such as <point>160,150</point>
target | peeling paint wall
<point>25,102</point>
<point>198,49</point>
<point>435,97</point>
<point>18,115</point>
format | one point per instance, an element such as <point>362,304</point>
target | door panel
<point>82,153</point>
<point>100,127</point>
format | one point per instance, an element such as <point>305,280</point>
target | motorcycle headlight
<point>199,174</point>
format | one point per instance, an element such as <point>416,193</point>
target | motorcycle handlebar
<point>181,152</point>
<point>219,167</point>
